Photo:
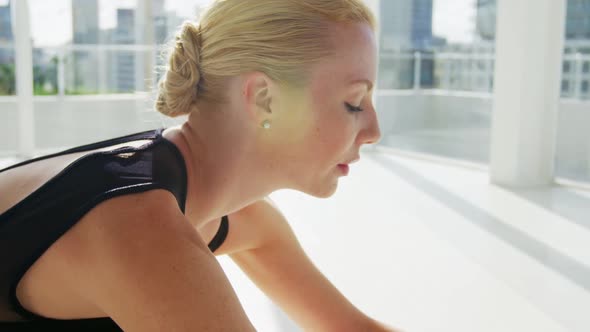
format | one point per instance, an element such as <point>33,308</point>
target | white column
<point>101,56</point>
<point>24,78</point>
<point>61,73</point>
<point>488,72</point>
<point>417,70</point>
<point>446,59</point>
<point>529,46</point>
<point>577,68</point>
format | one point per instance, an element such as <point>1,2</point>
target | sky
<point>51,21</point>
<point>454,19</point>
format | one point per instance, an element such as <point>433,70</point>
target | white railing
<point>94,69</point>
<point>578,78</point>
<point>446,71</point>
<point>470,72</point>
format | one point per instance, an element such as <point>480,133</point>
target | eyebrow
<point>363,81</point>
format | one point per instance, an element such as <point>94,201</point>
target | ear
<point>257,91</point>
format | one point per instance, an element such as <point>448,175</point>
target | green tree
<point>45,78</point>
<point>7,79</point>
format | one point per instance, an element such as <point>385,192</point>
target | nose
<point>371,133</point>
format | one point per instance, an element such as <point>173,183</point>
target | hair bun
<point>179,87</point>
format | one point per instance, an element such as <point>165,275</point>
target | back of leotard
<point>31,226</point>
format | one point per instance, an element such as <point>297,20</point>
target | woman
<point>120,234</point>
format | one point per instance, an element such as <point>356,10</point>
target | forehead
<point>354,56</point>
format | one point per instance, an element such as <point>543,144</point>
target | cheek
<point>333,130</point>
<point>332,127</point>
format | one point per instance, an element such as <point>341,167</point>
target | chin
<point>325,191</point>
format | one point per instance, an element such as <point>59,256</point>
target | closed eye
<point>352,108</point>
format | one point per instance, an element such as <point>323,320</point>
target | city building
<point>5,23</point>
<point>577,26</point>
<point>576,64</point>
<point>85,28</point>
<point>422,38</point>
<point>6,36</point>
<point>84,70</point>
<point>123,69</point>
<point>406,27</point>
<point>486,19</point>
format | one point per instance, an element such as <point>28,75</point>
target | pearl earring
<point>266,124</point>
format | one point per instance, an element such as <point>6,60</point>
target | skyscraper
<point>124,64</point>
<point>160,22</point>
<point>486,19</point>
<point>7,82</point>
<point>83,73</point>
<point>85,21</point>
<point>406,24</point>
<point>5,24</point>
<point>575,72</point>
<point>406,27</point>
<point>6,36</point>
<point>577,26</point>
<point>422,24</point>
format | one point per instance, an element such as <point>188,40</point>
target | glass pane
<point>102,46</point>
<point>93,47</point>
<point>101,70</point>
<point>436,76</point>
<point>7,67</point>
<point>573,137</point>
<point>396,71</point>
<point>45,66</point>
<point>7,70</point>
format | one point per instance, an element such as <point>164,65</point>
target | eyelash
<point>353,109</point>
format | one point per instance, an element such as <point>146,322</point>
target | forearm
<point>263,244</point>
<point>288,277</point>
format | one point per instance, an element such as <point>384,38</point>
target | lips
<point>344,168</point>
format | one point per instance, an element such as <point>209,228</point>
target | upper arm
<point>254,226</point>
<point>145,266</point>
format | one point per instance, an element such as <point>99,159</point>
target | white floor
<point>430,247</point>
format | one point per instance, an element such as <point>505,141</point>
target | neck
<point>225,169</point>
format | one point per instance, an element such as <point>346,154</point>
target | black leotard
<point>29,228</point>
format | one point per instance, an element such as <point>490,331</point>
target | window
<point>573,136</point>
<point>7,64</point>
<point>102,46</point>
<point>429,98</point>
<point>566,66</point>
<point>565,86</point>
<point>87,47</point>
<point>45,67</point>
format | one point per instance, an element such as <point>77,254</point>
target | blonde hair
<point>280,38</point>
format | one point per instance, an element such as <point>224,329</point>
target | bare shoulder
<point>145,266</point>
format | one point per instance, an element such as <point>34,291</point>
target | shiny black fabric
<point>31,226</point>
